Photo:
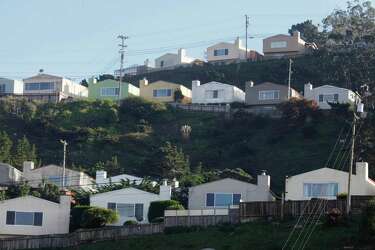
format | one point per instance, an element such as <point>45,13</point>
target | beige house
<point>268,94</point>
<point>327,183</point>
<point>171,60</point>
<point>227,192</point>
<point>162,91</point>
<point>29,215</point>
<point>286,46</point>
<point>52,88</point>
<point>54,174</point>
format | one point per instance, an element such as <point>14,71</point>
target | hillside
<point>134,133</point>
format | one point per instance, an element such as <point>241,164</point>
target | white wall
<point>361,185</point>
<point>55,215</point>
<point>227,93</point>
<point>130,196</point>
<point>171,59</point>
<point>74,89</point>
<point>12,86</point>
<point>345,95</point>
<point>102,178</point>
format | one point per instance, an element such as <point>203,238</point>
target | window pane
<point>139,212</point>
<point>223,200</point>
<point>320,189</point>
<point>125,210</point>
<point>111,205</point>
<point>236,199</point>
<point>210,200</point>
<point>2,88</point>
<point>10,217</point>
<point>24,218</point>
<point>38,219</point>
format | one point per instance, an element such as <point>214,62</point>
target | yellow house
<point>162,91</point>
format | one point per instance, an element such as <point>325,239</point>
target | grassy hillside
<point>134,133</point>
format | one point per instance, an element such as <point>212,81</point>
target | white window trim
<point>279,44</point>
<point>164,96</point>
<point>215,193</point>
<point>268,99</point>
<point>105,88</point>
<point>125,204</point>
<point>21,225</point>
<point>319,183</point>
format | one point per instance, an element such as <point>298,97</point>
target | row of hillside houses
<point>277,46</point>
<point>53,88</point>
<point>34,216</point>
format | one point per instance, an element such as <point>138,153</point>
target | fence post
<point>282,205</point>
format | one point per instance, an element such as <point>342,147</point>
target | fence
<point>204,217</point>
<point>250,210</point>
<point>79,237</point>
<point>203,108</point>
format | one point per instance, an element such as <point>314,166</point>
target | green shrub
<point>130,222</point>
<point>139,108</point>
<point>98,217</point>
<point>157,208</point>
<point>76,216</point>
<point>367,227</point>
<point>158,220</point>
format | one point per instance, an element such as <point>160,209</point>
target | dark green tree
<point>173,162</point>
<point>309,31</point>
<point>24,152</point>
<point>5,147</point>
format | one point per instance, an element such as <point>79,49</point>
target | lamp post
<point>64,161</point>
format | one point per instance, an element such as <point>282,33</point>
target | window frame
<point>225,206</point>
<point>27,86</point>
<point>114,206</point>
<point>104,94</point>
<point>279,44</point>
<point>310,191</point>
<point>263,93</point>
<point>35,222</point>
<point>3,88</point>
<point>221,52</point>
<point>168,92</point>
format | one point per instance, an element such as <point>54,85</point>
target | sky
<point>78,38</point>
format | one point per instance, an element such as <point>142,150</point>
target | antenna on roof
<point>41,71</point>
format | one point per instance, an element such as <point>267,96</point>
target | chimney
<point>249,84</point>
<point>195,84</point>
<point>307,89</point>
<point>362,170</point>
<point>165,191</point>
<point>181,54</point>
<point>28,166</point>
<point>297,34</point>
<point>264,180</point>
<point>101,177</point>
<point>143,82</point>
<point>176,183</point>
<point>237,43</point>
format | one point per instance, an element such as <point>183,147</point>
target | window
<point>40,86</point>
<point>57,180</point>
<point>279,44</point>
<point>222,199</point>
<point>269,95</point>
<point>109,91</point>
<point>320,189</point>
<point>221,52</point>
<point>162,92</point>
<point>24,218</point>
<point>333,98</point>
<point>2,88</point>
<point>214,94</point>
<point>127,209</point>
<point>161,64</point>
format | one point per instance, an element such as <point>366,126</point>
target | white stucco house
<point>170,60</point>
<point>29,215</point>
<point>131,203</point>
<point>10,87</point>
<point>326,94</point>
<point>9,174</point>
<point>230,52</point>
<point>54,174</point>
<point>102,179</point>
<point>227,192</point>
<point>216,92</point>
<point>327,183</point>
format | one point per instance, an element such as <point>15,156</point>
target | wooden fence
<point>204,218</point>
<point>276,209</point>
<point>79,237</point>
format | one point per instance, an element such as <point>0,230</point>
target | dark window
<point>161,64</point>
<point>215,94</point>
<point>210,199</point>
<point>336,97</point>
<point>236,199</point>
<point>139,212</point>
<point>320,98</point>
<point>38,219</point>
<point>111,205</point>
<point>11,215</point>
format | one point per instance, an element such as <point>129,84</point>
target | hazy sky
<point>77,38</point>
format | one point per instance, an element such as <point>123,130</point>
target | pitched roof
<point>123,191</point>
<point>43,76</point>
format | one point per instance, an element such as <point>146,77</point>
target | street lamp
<point>64,160</point>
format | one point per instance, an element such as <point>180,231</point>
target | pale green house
<point>109,90</point>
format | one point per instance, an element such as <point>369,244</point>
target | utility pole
<point>247,26</point>
<point>290,78</point>
<point>349,198</point>
<point>64,163</point>
<point>122,52</point>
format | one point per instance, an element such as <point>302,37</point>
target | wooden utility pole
<point>64,163</point>
<point>247,26</point>
<point>290,78</point>
<point>122,52</point>
<point>349,199</point>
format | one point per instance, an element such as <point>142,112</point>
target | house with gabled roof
<point>327,183</point>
